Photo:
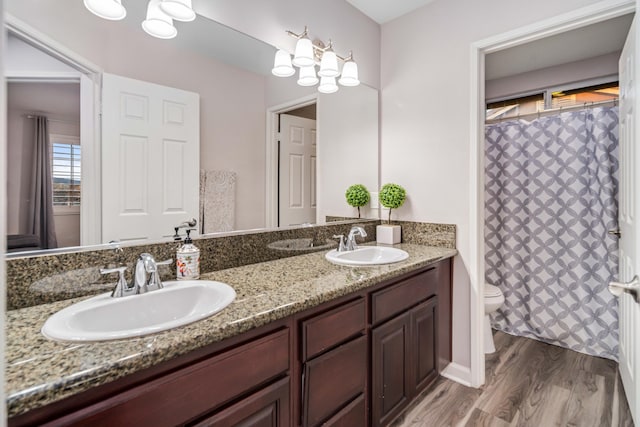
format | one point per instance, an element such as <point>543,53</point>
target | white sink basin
<point>105,318</point>
<point>367,255</point>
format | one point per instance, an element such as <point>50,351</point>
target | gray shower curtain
<point>41,193</point>
<point>550,198</point>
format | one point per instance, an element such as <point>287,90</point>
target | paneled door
<point>150,159</point>
<point>629,308</point>
<point>297,171</point>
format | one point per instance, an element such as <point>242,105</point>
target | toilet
<point>493,300</point>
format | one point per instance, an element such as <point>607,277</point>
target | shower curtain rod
<point>539,114</point>
<point>31,116</point>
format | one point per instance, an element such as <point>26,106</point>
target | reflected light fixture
<point>159,18</point>
<point>180,10</point>
<point>307,55</point>
<point>158,24</point>
<point>106,9</point>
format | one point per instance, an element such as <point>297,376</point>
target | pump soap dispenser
<point>188,260</point>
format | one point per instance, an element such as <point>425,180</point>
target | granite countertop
<point>40,371</point>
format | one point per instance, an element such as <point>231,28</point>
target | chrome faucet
<point>140,283</point>
<point>356,230</point>
<point>341,246</point>
<point>147,265</point>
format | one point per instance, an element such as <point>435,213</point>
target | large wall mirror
<point>61,62</point>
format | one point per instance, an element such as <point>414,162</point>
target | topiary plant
<point>357,195</point>
<point>392,196</point>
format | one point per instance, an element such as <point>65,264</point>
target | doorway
<point>575,19</point>
<point>51,63</point>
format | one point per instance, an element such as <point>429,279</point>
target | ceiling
<point>582,43</point>
<point>383,11</point>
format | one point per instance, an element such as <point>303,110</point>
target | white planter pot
<point>388,234</point>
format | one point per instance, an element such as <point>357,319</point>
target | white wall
<point>347,149</point>
<point>425,81</point>
<point>232,100</point>
<point>593,68</point>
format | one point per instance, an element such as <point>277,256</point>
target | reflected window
<point>66,170</point>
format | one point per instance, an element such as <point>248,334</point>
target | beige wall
<point>425,83</point>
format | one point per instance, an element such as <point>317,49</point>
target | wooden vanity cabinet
<point>404,343</point>
<point>355,361</point>
<point>334,361</point>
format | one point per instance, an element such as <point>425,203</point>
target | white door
<point>297,189</point>
<point>629,309</point>
<point>150,159</point>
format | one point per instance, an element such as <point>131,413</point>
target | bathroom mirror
<point>239,99</point>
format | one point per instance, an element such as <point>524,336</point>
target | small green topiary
<point>392,196</point>
<point>357,195</point>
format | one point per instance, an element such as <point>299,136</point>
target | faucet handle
<point>121,289</point>
<point>154,281</point>
<point>341,246</point>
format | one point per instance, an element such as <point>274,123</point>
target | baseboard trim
<point>458,373</point>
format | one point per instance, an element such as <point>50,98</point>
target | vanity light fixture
<point>106,9</point>
<point>307,54</point>
<point>160,14</point>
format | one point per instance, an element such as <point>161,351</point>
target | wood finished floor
<point>528,383</point>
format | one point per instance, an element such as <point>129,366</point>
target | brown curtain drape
<point>41,195</point>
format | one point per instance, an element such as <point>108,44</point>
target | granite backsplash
<point>41,279</point>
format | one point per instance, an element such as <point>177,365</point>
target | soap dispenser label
<point>188,266</point>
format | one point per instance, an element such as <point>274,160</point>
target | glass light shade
<point>180,10</point>
<point>349,74</point>
<point>282,64</point>
<point>329,65</point>
<point>303,56</point>
<point>307,76</point>
<point>106,9</point>
<point>328,85</point>
<point>158,24</point>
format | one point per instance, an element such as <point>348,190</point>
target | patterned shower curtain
<point>550,199</point>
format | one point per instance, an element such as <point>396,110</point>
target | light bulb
<point>304,53</point>
<point>349,74</point>
<point>329,65</point>
<point>282,64</point>
<point>307,76</point>
<point>106,9</point>
<point>158,24</point>
<point>180,10</point>
<point>328,85</point>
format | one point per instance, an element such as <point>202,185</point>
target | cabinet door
<point>390,359</point>
<point>334,379</point>
<point>268,407</point>
<point>424,328</point>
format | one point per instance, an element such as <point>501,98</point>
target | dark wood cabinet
<point>358,360</point>
<point>335,354</point>
<point>268,407</point>
<point>405,354</point>
<point>391,347</point>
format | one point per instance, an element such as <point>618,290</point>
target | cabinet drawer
<point>268,407</point>
<point>194,390</point>
<point>336,326</point>
<point>333,379</point>
<point>395,299</point>
<point>351,416</point>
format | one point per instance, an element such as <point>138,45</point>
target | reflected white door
<point>297,187</point>
<point>629,310</point>
<point>150,159</point>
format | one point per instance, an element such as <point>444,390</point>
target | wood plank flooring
<point>528,383</point>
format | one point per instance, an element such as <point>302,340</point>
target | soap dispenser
<point>188,260</point>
